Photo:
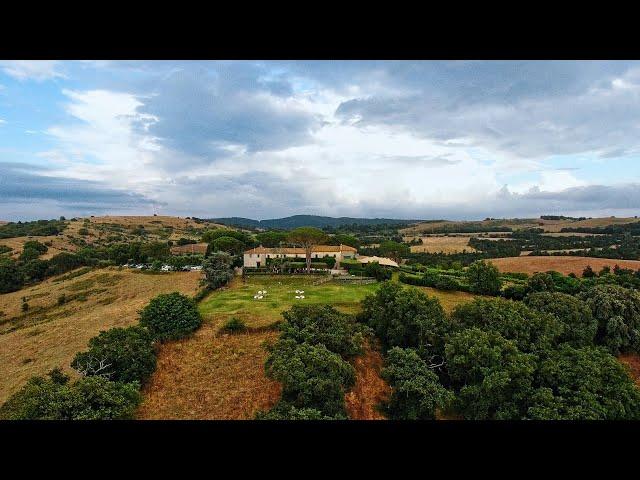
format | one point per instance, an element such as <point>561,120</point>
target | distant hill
<point>307,221</point>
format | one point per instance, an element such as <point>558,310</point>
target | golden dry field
<point>450,244</point>
<point>49,335</point>
<point>562,264</point>
<point>552,226</point>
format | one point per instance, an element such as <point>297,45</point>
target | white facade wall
<point>251,260</point>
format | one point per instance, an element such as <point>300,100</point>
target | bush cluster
<point>309,360</point>
<point>171,316</point>
<point>493,358</point>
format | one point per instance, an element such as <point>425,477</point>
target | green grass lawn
<point>238,301</point>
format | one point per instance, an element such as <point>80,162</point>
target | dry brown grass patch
<point>370,389</point>
<point>51,334</point>
<point>211,376</point>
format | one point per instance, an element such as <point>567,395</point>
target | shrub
<point>55,398</point>
<point>484,278</point>
<point>234,325</point>
<point>63,263</point>
<point>530,329</point>
<point>579,326</point>
<point>323,324</point>
<point>617,311</point>
<point>35,270</point>
<point>445,282</point>
<point>375,270</point>
<point>286,411</point>
<point>127,352</point>
<point>514,292</point>
<point>416,389</point>
<point>540,282</point>
<point>170,316</point>
<point>11,278</point>
<point>406,317</point>
<point>83,231</point>
<point>311,376</point>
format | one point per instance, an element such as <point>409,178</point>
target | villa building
<point>257,257</point>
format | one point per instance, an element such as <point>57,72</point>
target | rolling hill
<point>307,221</point>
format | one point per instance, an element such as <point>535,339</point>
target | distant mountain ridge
<point>296,221</point>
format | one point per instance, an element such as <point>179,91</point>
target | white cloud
<point>102,143</point>
<point>38,70</point>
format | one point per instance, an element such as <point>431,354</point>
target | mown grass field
<point>49,335</point>
<point>238,300</point>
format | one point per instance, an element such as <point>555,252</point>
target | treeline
<point>29,269</point>
<point>466,228</point>
<point>548,358</point>
<point>560,217</point>
<point>38,228</point>
<point>484,278</point>
<point>491,249</point>
<point>632,228</point>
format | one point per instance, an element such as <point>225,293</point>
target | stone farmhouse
<point>257,257</point>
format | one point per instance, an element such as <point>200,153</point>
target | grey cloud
<point>528,109</point>
<point>200,111</point>
<point>19,184</point>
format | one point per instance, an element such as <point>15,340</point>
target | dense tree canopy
<point>492,376</point>
<point>579,326</point>
<point>272,238</point>
<point>406,317</point>
<point>228,245</point>
<point>617,311</point>
<point>323,324</point>
<point>529,329</point>
<point>311,375</point>
<point>584,384</point>
<point>56,398</point>
<point>394,250</point>
<point>417,392</point>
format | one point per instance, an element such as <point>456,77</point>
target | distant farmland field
<point>562,264</point>
<point>450,244</point>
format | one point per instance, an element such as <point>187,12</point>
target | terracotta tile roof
<point>300,251</point>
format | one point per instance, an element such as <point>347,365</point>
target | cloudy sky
<point>264,139</point>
